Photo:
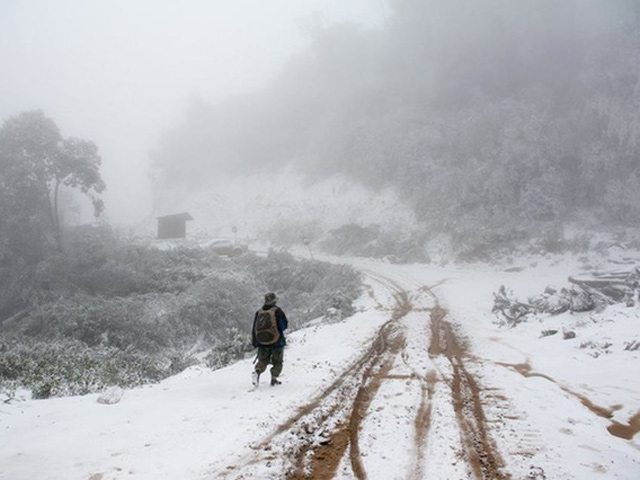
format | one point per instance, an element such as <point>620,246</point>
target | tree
<point>77,166</point>
<point>35,160</point>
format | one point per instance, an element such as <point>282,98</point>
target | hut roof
<point>176,216</point>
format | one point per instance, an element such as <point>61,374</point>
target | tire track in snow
<point>323,460</point>
<point>338,427</point>
<point>291,448</point>
<point>480,451</point>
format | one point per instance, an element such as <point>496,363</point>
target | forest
<point>497,122</point>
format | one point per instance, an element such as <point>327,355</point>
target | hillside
<point>494,123</point>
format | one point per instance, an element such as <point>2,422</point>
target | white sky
<point>117,72</point>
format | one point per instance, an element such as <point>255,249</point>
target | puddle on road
<point>626,431</point>
<point>616,429</point>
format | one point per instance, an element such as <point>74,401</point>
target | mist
<point>120,73</point>
<point>386,168</point>
<point>492,121</point>
<point>486,122</point>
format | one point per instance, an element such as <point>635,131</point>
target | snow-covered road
<point>419,383</point>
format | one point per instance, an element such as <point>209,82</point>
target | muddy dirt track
<point>344,430</point>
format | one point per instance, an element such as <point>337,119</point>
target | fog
<point>493,121</point>
<point>490,121</point>
<point>119,73</point>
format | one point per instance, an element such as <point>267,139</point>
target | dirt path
<point>481,454</point>
<point>341,432</point>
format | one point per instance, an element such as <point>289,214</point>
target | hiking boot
<point>275,381</point>
<point>255,378</point>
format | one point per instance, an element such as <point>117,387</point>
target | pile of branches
<point>587,292</point>
<point>611,287</point>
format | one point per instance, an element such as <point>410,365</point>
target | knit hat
<point>270,299</point>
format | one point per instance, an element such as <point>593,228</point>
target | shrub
<point>308,287</point>
<point>374,241</point>
<point>232,347</point>
<point>99,322</point>
<point>142,312</point>
<point>69,367</point>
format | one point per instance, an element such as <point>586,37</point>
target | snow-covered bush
<point>230,348</point>
<point>80,338</point>
<point>69,367</point>
<point>374,241</point>
<point>292,231</point>
<point>213,305</point>
<point>99,322</point>
<point>181,360</point>
<point>307,287</point>
<point>487,243</point>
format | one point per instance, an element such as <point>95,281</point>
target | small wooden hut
<point>173,226</point>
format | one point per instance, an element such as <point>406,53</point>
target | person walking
<point>269,324</point>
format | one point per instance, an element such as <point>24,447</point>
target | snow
<point>313,206</point>
<point>545,400</point>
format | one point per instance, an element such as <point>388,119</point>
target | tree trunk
<point>55,215</point>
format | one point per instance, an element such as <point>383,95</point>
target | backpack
<point>266,328</point>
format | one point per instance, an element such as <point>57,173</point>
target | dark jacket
<point>282,321</point>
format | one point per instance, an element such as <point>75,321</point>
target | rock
<point>548,333</point>
<point>111,396</point>
<point>332,315</point>
<point>581,301</point>
<point>557,303</point>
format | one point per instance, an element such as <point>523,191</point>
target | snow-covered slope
<point>257,203</point>
<point>420,383</point>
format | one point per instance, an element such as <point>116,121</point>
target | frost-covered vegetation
<point>376,242</point>
<point>497,122</point>
<point>106,312</point>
